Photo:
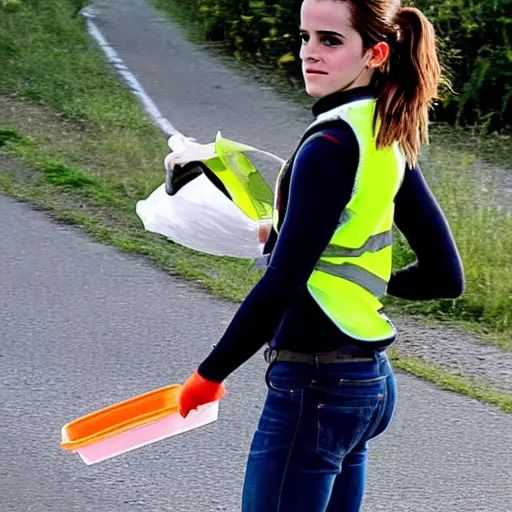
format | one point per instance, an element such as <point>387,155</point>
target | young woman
<point>373,66</point>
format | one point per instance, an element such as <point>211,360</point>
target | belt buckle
<point>270,355</point>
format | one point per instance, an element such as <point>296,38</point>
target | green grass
<point>108,215</point>
<point>90,153</point>
<point>8,137</point>
<point>494,148</point>
<point>58,173</point>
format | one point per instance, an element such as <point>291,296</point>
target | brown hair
<point>408,82</point>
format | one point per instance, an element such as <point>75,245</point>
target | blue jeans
<point>309,451</point>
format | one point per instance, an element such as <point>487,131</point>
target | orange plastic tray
<point>121,417</point>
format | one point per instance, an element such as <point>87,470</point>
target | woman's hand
<point>185,150</point>
<point>198,391</point>
<point>264,232</point>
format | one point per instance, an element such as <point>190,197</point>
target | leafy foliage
<point>475,42</point>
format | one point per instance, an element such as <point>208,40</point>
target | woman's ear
<point>379,55</point>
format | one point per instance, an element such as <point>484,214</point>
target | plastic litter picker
<point>133,423</point>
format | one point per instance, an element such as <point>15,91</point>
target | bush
<point>253,28</point>
<point>475,45</point>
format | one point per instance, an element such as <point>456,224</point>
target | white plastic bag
<point>199,215</point>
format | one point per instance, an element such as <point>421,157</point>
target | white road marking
<point>164,124</point>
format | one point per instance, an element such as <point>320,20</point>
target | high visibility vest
<point>354,269</point>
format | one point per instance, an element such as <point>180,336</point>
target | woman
<point>331,389</point>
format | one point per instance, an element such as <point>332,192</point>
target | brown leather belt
<point>348,353</point>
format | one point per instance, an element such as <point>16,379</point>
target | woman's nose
<point>309,54</point>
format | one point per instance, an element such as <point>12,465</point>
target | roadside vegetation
<point>75,141</point>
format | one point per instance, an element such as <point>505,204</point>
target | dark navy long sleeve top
<point>279,309</point>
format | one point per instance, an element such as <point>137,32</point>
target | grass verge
<point>89,152</point>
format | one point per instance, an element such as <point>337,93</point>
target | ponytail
<point>407,84</point>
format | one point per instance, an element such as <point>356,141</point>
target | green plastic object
<point>247,187</point>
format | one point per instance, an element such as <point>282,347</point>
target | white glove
<point>184,150</point>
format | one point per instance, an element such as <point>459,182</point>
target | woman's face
<point>332,51</point>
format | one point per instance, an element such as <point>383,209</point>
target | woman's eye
<point>325,40</point>
<point>330,41</point>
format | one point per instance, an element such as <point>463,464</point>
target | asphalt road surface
<point>84,325</point>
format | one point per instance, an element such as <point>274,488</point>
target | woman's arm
<point>437,272</point>
<point>321,184</point>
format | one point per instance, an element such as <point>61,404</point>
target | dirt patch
<point>40,123</point>
<point>17,169</point>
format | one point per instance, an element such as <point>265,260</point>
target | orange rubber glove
<point>197,391</point>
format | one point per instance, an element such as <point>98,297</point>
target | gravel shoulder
<point>459,353</point>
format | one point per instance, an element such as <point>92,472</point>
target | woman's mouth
<point>311,71</point>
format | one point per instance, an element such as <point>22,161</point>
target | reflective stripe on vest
<point>369,281</point>
<point>373,244</point>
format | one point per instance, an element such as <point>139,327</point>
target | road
<point>84,325</point>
